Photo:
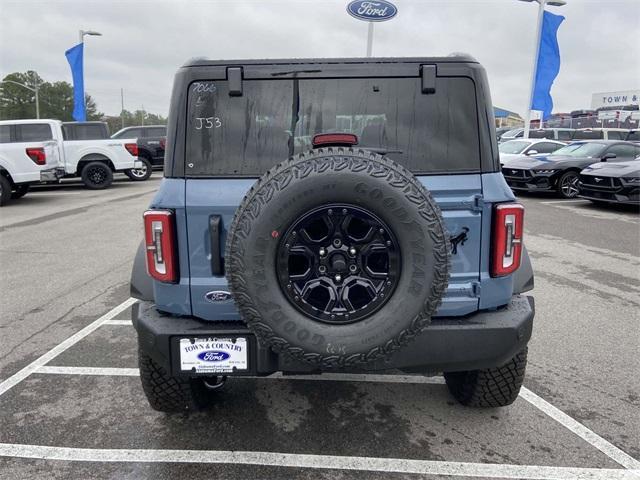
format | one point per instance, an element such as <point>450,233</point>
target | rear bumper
<point>482,340</point>
<point>628,196</point>
<point>51,175</point>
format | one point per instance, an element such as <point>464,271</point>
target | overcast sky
<point>144,42</point>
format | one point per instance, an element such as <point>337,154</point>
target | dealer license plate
<point>213,355</point>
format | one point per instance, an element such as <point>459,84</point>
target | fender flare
<point>523,277</point>
<point>141,284</point>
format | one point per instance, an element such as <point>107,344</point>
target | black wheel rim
<point>338,263</point>
<point>96,175</point>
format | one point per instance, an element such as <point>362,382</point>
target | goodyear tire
<point>171,394</point>
<point>5,190</point>
<point>354,203</point>
<point>490,387</point>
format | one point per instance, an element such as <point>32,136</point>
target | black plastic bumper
<point>482,340</point>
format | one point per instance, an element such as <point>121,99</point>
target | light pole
<point>82,33</point>
<point>34,90</point>
<point>541,5</point>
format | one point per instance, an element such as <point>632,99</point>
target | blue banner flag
<point>74,57</point>
<point>548,64</point>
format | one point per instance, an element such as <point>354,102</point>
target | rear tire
<point>97,176</point>
<point>140,174</point>
<point>490,387</point>
<point>20,191</point>
<point>171,394</point>
<point>5,190</point>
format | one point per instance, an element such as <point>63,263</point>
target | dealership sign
<point>615,99</point>
<point>377,11</point>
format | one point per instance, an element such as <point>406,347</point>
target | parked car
<point>611,182</point>
<point>28,155</point>
<point>502,130</point>
<point>94,161</point>
<point>515,148</point>
<point>264,254</point>
<point>85,130</point>
<point>151,144</point>
<point>558,172</point>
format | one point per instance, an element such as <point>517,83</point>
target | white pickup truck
<point>33,151</point>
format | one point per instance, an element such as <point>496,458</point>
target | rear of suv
<point>342,215</point>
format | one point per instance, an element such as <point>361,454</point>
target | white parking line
<point>277,459</point>
<point>610,450</point>
<point>99,371</point>
<point>117,322</point>
<point>61,347</point>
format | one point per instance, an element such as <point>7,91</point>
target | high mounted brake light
<point>506,248</point>
<point>346,139</point>
<point>37,155</point>
<point>132,148</point>
<point>160,245</point>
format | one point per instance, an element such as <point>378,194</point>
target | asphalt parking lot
<point>71,404</point>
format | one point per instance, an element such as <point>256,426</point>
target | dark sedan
<point>611,182</point>
<point>559,171</point>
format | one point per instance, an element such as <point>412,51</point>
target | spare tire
<point>337,257</point>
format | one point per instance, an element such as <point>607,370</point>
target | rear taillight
<point>506,249</point>
<point>160,245</point>
<point>37,155</point>
<point>132,148</point>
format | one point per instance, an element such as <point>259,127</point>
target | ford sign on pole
<point>369,11</point>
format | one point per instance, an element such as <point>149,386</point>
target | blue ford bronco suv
<point>332,215</point>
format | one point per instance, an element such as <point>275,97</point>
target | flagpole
<point>534,68</point>
<point>370,39</point>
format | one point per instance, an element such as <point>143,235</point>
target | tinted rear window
<point>156,132</point>
<point>246,135</point>
<point>84,132</point>
<point>33,132</point>
<point>634,136</point>
<point>5,133</point>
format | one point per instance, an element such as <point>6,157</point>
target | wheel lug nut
<point>353,268</point>
<point>296,298</point>
<point>344,211</point>
<point>322,269</point>
<point>338,277</point>
<point>381,230</point>
<point>352,251</point>
<point>388,243</point>
<point>330,212</point>
<point>337,242</point>
<point>322,252</point>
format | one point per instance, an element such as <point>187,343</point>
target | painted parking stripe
<point>61,347</point>
<point>118,322</point>
<point>554,413</point>
<point>579,429</point>
<point>551,202</point>
<point>276,459</point>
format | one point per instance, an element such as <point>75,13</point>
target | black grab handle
<point>215,228</point>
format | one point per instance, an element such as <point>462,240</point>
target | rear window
<point>614,135</point>
<point>5,133</point>
<point>33,132</point>
<point>84,132</point>
<point>273,119</point>
<point>634,135</point>
<point>565,134</point>
<point>156,132</point>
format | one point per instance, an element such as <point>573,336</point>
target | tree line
<point>56,102</point>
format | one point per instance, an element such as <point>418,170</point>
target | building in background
<point>505,118</point>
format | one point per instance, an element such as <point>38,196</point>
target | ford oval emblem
<point>217,296</point>
<point>371,11</point>
<point>213,356</point>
